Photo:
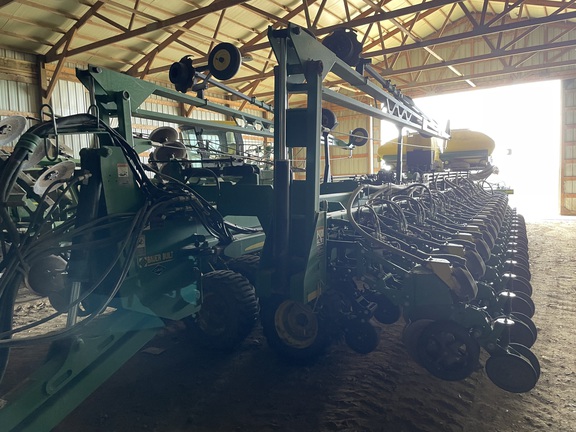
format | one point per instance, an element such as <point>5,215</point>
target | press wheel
<point>511,372</point>
<point>528,354</point>
<point>523,304</point>
<point>525,319</point>
<point>448,351</point>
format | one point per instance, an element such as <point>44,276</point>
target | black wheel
<point>511,372</point>
<point>247,266</point>
<point>229,310</point>
<point>475,264</point>
<point>411,336</point>
<point>525,352</point>
<point>224,61</point>
<point>358,137</point>
<point>361,336</point>
<point>467,288</point>
<point>523,305</point>
<point>519,316</point>
<point>45,275</point>
<point>448,351</point>
<point>293,329</point>
<point>513,267</point>
<point>328,119</point>
<point>517,284</point>
<point>521,332</point>
<point>530,308</point>
<point>386,312</point>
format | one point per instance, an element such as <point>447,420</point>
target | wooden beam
<point>51,54</point>
<point>178,19</point>
<point>478,32</point>
<point>59,66</point>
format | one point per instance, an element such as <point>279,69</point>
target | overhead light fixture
<point>470,83</point>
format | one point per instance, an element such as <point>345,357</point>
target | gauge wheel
<point>448,351</point>
<point>228,312</point>
<point>293,329</point>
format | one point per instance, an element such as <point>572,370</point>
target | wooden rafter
<point>477,32</point>
<point>64,39</point>
<point>131,23</point>
<point>178,19</point>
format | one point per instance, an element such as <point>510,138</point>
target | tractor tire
<point>247,266</point>
<point>229,310</point>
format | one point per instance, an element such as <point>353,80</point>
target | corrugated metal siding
<point>362,159</point>
<point>568,162</point>
<point>18,98</point>
<point>6,53</point>
<point>71,98</point>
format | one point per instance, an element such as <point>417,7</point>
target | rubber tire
<point>236,294</point>
<point>247,266</point>
<point>428,361</point>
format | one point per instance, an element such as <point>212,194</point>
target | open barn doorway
<point>525,122</point>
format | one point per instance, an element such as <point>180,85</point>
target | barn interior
<point>307,215</point>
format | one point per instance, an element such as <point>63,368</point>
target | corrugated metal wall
<point>568,156</point>
<point>362,160</point>
<point>18,88</point>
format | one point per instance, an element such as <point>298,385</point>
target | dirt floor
<point>173,386</point>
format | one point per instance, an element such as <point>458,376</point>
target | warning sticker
<point>123,173</point>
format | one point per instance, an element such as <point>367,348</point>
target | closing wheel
<point>528,354</point>
<point>293,329</point>
<point>475,264</point>
<point>467,288</point>
<point>361,336</point>
<point>521,332</point>
<point>229,310</point>
<point>511,372</point>
<point>516,283</point>
<point>224,61</point>
<point>527,321</point>
<point>523,304</point>
<point>447,350</point>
